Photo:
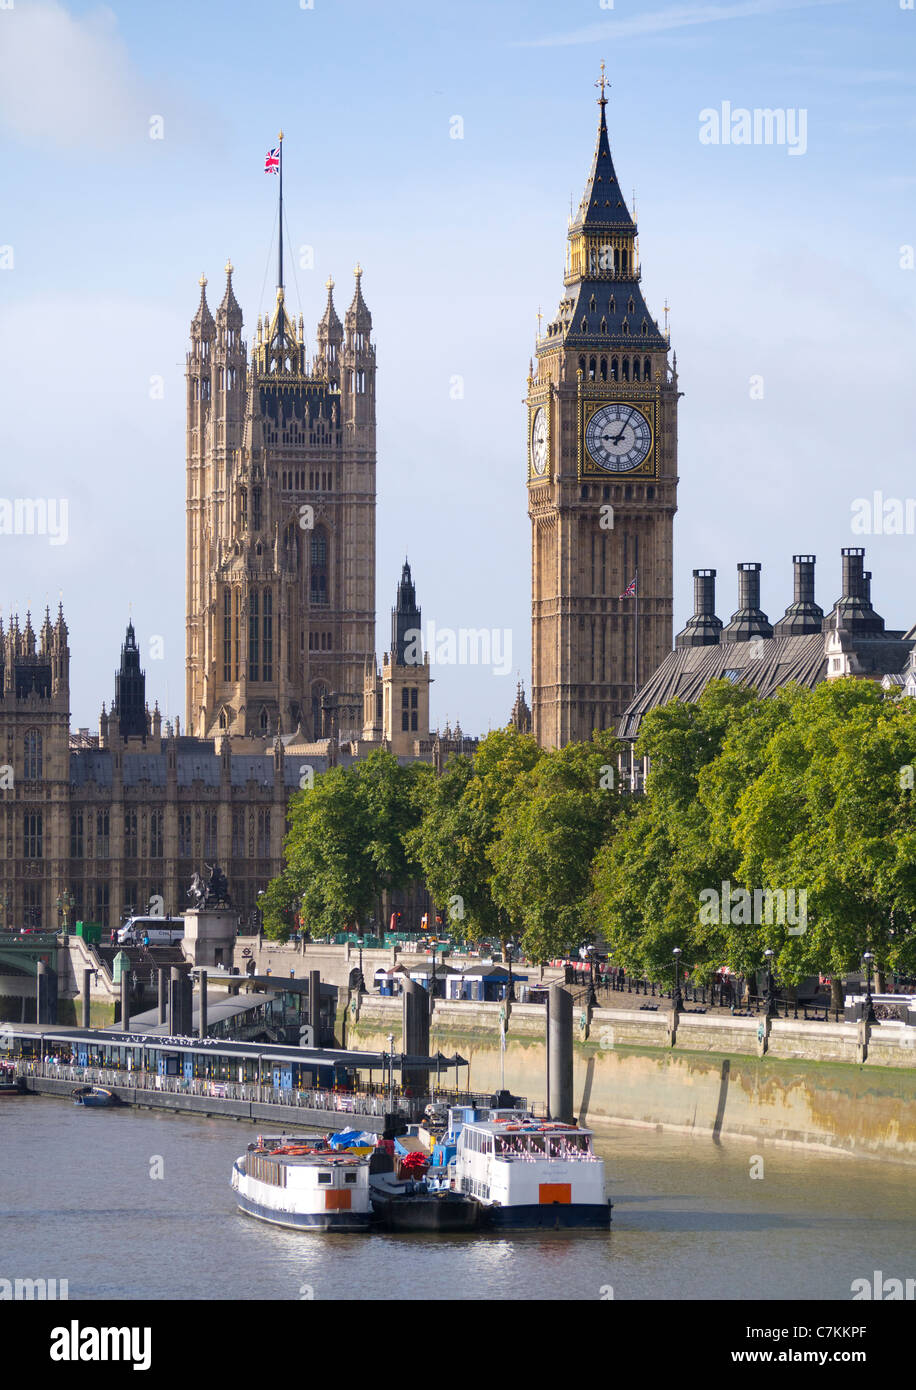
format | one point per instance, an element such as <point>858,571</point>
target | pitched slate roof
<point>767,664</point>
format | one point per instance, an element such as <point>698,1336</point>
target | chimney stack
<point>703,628</point>
<point>749,620</point>
<point>803,615</point>
<point>853,610</point>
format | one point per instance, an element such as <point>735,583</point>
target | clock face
<point>539,442</point>
<point>618,437</point>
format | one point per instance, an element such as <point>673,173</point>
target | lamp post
<point>677,1002</point>
<point>769,1000</point>
<point>390,1072</point>
<point>869,1016</point>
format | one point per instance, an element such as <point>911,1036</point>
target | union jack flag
<point>630,590</point>
<point>272,162</point>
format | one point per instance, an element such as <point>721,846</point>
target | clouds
<point>674,17</point>
<point>67,81</point>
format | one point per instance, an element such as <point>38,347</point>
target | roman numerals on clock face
<point>618,437</point>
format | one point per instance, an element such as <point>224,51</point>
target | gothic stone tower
<point>280,517</point>
<point>396,698</point>
<point>602,475</point>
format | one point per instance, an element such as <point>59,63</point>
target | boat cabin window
<point>324,1177</point>
<point>349,1177</point>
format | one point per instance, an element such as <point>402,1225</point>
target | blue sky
<point>787,267</point>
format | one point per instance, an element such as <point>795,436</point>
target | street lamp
<point>65,901</point>
<point>677,1002</point>
<point>769,996</point>
<point>869,1016</point>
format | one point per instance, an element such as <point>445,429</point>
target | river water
<point>78,1202</point>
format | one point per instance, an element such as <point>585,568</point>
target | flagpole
<point>280,267</point>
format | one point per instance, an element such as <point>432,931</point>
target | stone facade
<point>280,518</point>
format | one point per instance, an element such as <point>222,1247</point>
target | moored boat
<point>532,1174</point>
<point>304,1186</point>
<point>11,1084</point>
<point>95,1097</point>
<point>413,1205</point>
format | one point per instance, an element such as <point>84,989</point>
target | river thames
<point>78,1202</point>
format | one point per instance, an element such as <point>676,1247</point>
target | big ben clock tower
<point>602,475</point>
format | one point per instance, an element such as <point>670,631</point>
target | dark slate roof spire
<point>602,202</point>
<point>405,621</point>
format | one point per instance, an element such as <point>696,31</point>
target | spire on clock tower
<point>602,203</point>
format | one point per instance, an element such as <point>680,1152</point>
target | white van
<point>161,931</point>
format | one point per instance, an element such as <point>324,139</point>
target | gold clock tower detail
<point>602,475</point>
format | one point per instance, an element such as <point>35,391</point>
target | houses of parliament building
<point>281,671</point>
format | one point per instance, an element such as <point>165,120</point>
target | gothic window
<point>238,834</point>
<point>616,260</point>
<point>582,365</point>
<point>102,893</point>
<point>650,493</point>
<point>253,664</point>
<point>615,369</point>
<point>647,370</point>
<point>612,307</point>
<point>268,637</point>
<point>227,634</point>
<point>635,368</point>
<point>243,506</point>
<point>256,508</point>
<point>645,329</point>
<point>263,721</point>
<point>210,834</point>
<point>603,325</point>
<point>236,630</point>
<point>33,835</point>
<point>624,261</point>
<point>102,834</point>
<point>184,835</point>
<point>33,755</point>
<point>264,833</point>
<point>130,834</point>
<point>591,305</point>
<point>604,369</point>
<point>585,325</point>
<point>592,368</point>
<point>32,904</point>
<point>626,369</point>
<point>155,834</point>
<point>631,307</point>
<point>222,719</point>
<point>76,834</point>
<point>625,328</point>
<point>318,586</point>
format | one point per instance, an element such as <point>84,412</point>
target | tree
<point>345,847</point>
<point>459,828</point>
<point>550,828</point>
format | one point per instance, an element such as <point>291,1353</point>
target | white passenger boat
<point>528,1173</point>
<point>305,1186</point>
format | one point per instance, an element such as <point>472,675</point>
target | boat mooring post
<point>126,976</point>
<point>315,1006</point>
<point>87,998</point>
<point>560,1054</point>
<point>202,1006</point>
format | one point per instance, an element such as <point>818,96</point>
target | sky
<point>132,142</point>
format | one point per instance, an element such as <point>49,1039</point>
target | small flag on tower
<point>272,162</point>
<point>630,590</point>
